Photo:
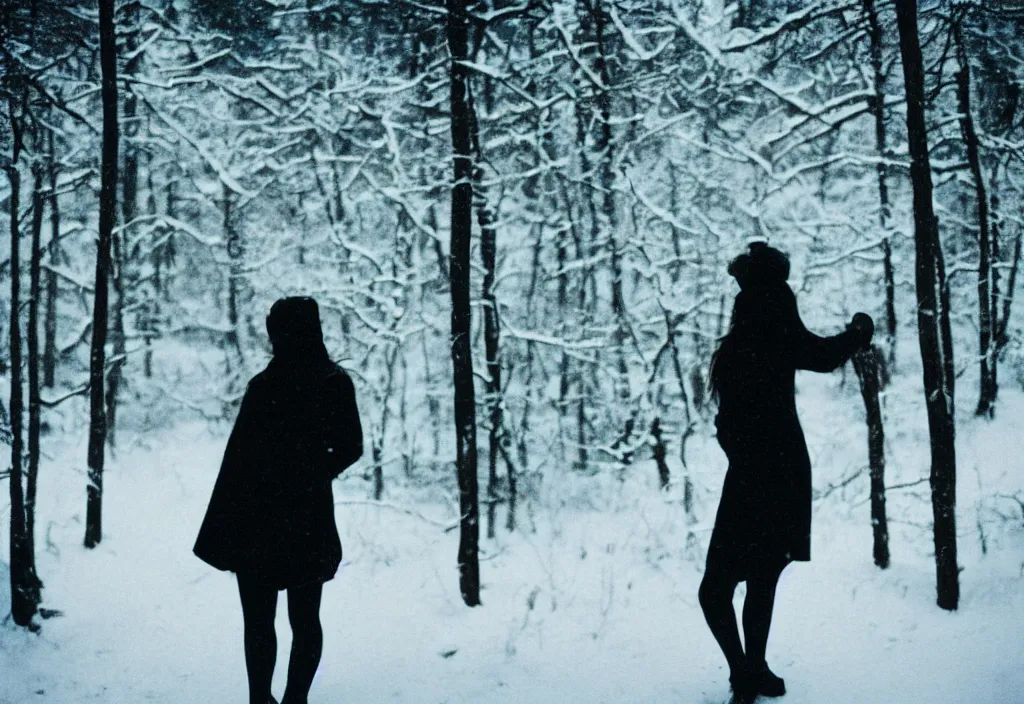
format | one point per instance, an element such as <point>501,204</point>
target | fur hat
<point>760,267</point>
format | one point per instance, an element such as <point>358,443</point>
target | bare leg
<point>307,641</point>
<point>259,604</point>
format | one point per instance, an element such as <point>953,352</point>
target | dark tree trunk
<point>513,491</point>
<point>129,211</point>
<point>433,404</point>
<point>117,336</point>
<point>564,367</point>
<point>563,312</point>
<point>607,178</point>
<point>34,404</point>
<point>1004,320</point>
<point>151,309</point>
<point>660,454</point>
<point>234,247</point>
<point>24,594</point>
<point>530,361</point>
<point>493,386</point>
<point>431,219</point>
<point>492,330</point>
<point>866,365</point>
<point>588,250</point>
<point>582,399</point>
<point>385,415</point>
<point>996,294</point>
<point>932,317</point>
<point>165,255</point>
<point>878,112</point>
<point>583,252</point>
<point>108,215</point>
<point>53,252</point>
<point>532,189</point>
<point>986,392</point>
<point>462,118</point>
<point>378,469</point>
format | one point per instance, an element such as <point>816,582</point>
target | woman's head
<point>760,267</point>
<point>764,311</point>
<point>293,325</point>
<point>765,302</point>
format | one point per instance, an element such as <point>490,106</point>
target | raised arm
<point>826,354</point>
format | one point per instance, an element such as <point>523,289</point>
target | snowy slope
<point>596,604</point>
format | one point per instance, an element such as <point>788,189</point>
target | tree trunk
<point>34,403</point>
<point>563,312</point>
<point>492,330</point>
<point>996,294</point>
<point>492,352</point>
<point>660,454</point>
<point>462,118</point>
<point>433,404</point>
<point>117,336</point>
<point>108,215</point>
<point>607,181</point>
<point>583,254</point>
<point>385,414</point>
<point>878,111</point>
<point>234,247</point>
<point>129,211</point>
<point>986,393</point>
<point>23,593</point>
<point>587,250</point>
<point>532,190</point>
<point>1004,320</point>
<point>165,255</point>
<point>866,365</point>
<point>582,398</point>
<point>932,317</point>
<point>378,468</point>
<point>530,361</point>
<point>151,309</point>
<point>53,252</point>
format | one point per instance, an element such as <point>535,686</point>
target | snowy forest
<point>516,217</point>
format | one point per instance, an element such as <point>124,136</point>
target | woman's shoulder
<point>323,374</point>
<point>258,381</point>
<point>336,376</point>
<point>333,369</point>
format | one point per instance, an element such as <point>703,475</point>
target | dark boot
<point>744,687</point>
<point>768,684</point>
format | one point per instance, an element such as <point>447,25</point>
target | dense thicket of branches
<point>619,153</point>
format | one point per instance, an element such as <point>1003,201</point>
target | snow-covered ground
<point>594,600</point>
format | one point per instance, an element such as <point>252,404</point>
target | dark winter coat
<point>765,511</point>
<point>271,514</point>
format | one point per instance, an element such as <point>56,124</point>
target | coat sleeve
<point>343,434</point>
<point>820,354</point>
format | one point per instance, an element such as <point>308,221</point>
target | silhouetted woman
<point>764,518</point>
<point>271,516</point>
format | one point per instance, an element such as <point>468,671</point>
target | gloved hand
<point>864,327</point>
